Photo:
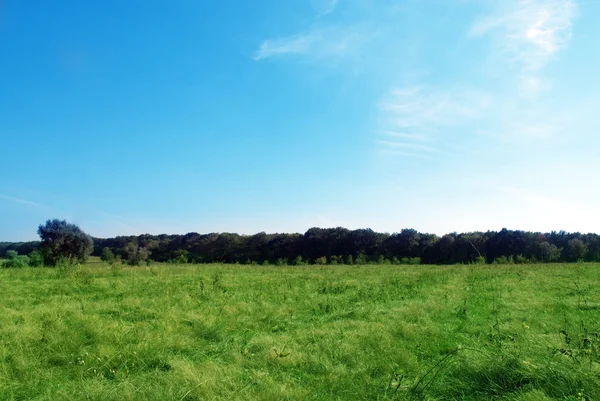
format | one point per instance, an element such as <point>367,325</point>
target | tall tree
<point>64,240</point>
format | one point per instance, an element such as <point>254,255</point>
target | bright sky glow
<point>458,115</point>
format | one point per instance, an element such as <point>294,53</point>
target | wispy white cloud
<point>430,107</point>
<point>425,114</point>
<point>530,31</point>
<point>21,201</point>
<point>298,44</point>
<point>507,106</point>
<point>324,7</point>
<point>318,42</point>
<point>321,39</point>
<point>525,36</point>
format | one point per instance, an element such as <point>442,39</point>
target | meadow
<point>227,332</point>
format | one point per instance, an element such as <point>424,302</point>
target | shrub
<point>135,254</point>
<point>415,261</point>
<point>521,260</point>
<point>13,259</point>
<point>298,261</point>
<point>334,260</point>
<point>64,240</point>
<point>107,256</point>
<point>361,259</point>
<point>503,260</point>
<point>410,261</point>
<point>321,261</point>
<point>36,259</point>
<point>479,260</point>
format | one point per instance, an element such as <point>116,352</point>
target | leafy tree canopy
<point>62,240</point>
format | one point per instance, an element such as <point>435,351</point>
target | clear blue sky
<point>129,117</point>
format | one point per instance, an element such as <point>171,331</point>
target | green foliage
<point>281,262</point>
<point>64,240</point>
<point>408,261</point>
<point>36,258</point>
<point>480,260</point>
<point>321,260</point>
<point>361,259</point>
<point>363,246</point>
<point>520,260</point>
<point>548,253</point>
<point>134,254</point>
<point>13,259</point>
<point>503,260</point>
<point>107,255</point>
<point>335,259</point>
<point>577,250</point>
<point>298,261</point>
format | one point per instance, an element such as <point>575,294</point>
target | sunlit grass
<point>169,332</point>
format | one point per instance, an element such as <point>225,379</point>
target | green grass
<point>216,332</point>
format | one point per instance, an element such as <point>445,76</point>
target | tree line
<point>62,241</point>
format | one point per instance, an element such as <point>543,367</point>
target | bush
<point>334,260</point>
<point>321,261</point>
<point>64,240</point>
<point>13,259</point>
<point>135,254</point>
<point>521,260</point>
<point>107,256</point>
<point>361,259</point>
<point>281,262</point>
<point>298,261</point>
<point>410,261</point>
<point>36,258</point>
<point>503,260</point>
<point>479,260</point>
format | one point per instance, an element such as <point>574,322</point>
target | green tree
<point>135,254</point>
<point>577,249</point>
<point>322,260</point>
<point>62,240</point>
<point>107,256</point>
<point>361,259</point>
<point>548,252</point>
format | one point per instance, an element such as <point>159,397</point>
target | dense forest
<point>340,245</point>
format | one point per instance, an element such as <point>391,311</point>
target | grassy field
<point>215,332</point>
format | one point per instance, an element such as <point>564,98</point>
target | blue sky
<point>244,116</point>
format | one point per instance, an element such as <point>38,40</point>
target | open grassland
<point>216,332</point>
